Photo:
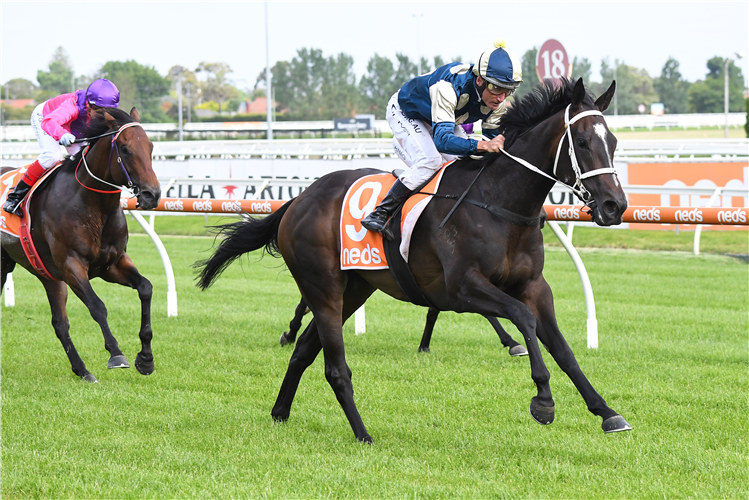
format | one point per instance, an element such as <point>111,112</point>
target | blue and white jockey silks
<point>425,116</point>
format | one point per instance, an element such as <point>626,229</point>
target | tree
<point>339,94</point>
<point>59,78</point>
<point>530,77</point>
<point>216,86</point>
<point>377,85</point>
<point>634,87</point>
<point>19,88</point>
<point>672,88</point>
<point>406,71</point>
<point>297,83</point>
<point>140,86</point>
<point>312,87</point>
<point>582,68</point>
<point>708,95</point>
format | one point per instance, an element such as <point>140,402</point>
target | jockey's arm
<point>447,142</point>
<point>54,121</point>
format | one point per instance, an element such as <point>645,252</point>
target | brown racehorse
<point>515,349</point>
<point>488,259</point>
<point>80,231</point>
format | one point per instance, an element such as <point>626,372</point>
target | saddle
<point>21,227</point>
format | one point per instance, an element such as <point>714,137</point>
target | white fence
<point>327,127</point>
<point>627,151</point>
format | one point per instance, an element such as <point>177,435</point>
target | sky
<point>165,34</point>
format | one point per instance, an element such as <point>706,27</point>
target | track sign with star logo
<point>552,61</point>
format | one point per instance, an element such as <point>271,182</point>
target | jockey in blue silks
<point>426,115</point>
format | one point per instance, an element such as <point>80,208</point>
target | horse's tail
<point>239,238</point>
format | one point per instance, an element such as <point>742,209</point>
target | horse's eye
<point>125,151</point>
<point>582,143</point>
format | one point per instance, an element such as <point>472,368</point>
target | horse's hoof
<point>89,378</point>
<point>119,361</point>
<point>544,415</point>
<point>615,424</point>
<point>518,350</point>
<point>284,341</point>
<point>144,367</point>
<point>367,439</point>
<point>424,349</point>
<point>280,418</point>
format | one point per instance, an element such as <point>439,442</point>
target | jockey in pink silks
<point>60,121</point>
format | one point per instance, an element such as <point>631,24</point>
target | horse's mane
<point>544,100</point>
<point>98,126</point>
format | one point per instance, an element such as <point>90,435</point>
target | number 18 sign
<point>552,61</point>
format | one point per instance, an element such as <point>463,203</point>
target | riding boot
<point>377,220</point>
<point>15,198</point>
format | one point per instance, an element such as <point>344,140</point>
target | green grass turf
<point>454,423</point>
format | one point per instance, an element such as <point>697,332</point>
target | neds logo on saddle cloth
<point>362,249</point>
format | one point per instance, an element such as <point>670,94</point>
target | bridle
<point>577,187</point>
<point>113,147</point>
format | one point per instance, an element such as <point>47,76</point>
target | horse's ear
<point>135,115</point>
<point>603,101</point>
<point>578,93</point>
<point>110,119</point>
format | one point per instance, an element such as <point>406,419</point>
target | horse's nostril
<point>611,208</point>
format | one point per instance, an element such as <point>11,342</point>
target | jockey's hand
<point>492,146</point>
<point>67,139</point>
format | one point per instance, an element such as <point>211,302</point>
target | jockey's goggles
<point>496,89</point>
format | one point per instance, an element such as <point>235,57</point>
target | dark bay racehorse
<point>487,260</point>
<point>515,349</point>
<point>80,231</point>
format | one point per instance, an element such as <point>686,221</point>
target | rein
<point>113,147</point>
<point>578,188</point>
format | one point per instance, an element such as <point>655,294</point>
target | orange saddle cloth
<point>362,249</point>
<point>10,223</point>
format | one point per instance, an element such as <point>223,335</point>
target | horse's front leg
<point>75,274</point>
<point>57,294</point>
<point>125,273</point>
<point>471,291</point>
<point>539,298</point>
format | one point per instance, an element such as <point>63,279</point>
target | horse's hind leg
<point>540,300</point>
<point>504,337</point>
<point>426,337</point>
<point>57,294</point>
<point>325,332</point>
<point>125,273</point>
<point>295,324</point>
<point>337,371</point>
<point>305,351</point>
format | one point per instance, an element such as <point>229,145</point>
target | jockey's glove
<point>67,139</point>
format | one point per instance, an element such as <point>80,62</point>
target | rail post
<point>9,291</point>
<point>698,229</point>
<point>590,303</point>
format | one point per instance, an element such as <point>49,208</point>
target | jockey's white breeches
<point>413,143</point>
<point>51,150</point>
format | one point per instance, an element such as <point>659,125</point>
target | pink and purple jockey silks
<point>67,112</point>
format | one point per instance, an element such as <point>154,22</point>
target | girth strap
<point>398,266</point>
